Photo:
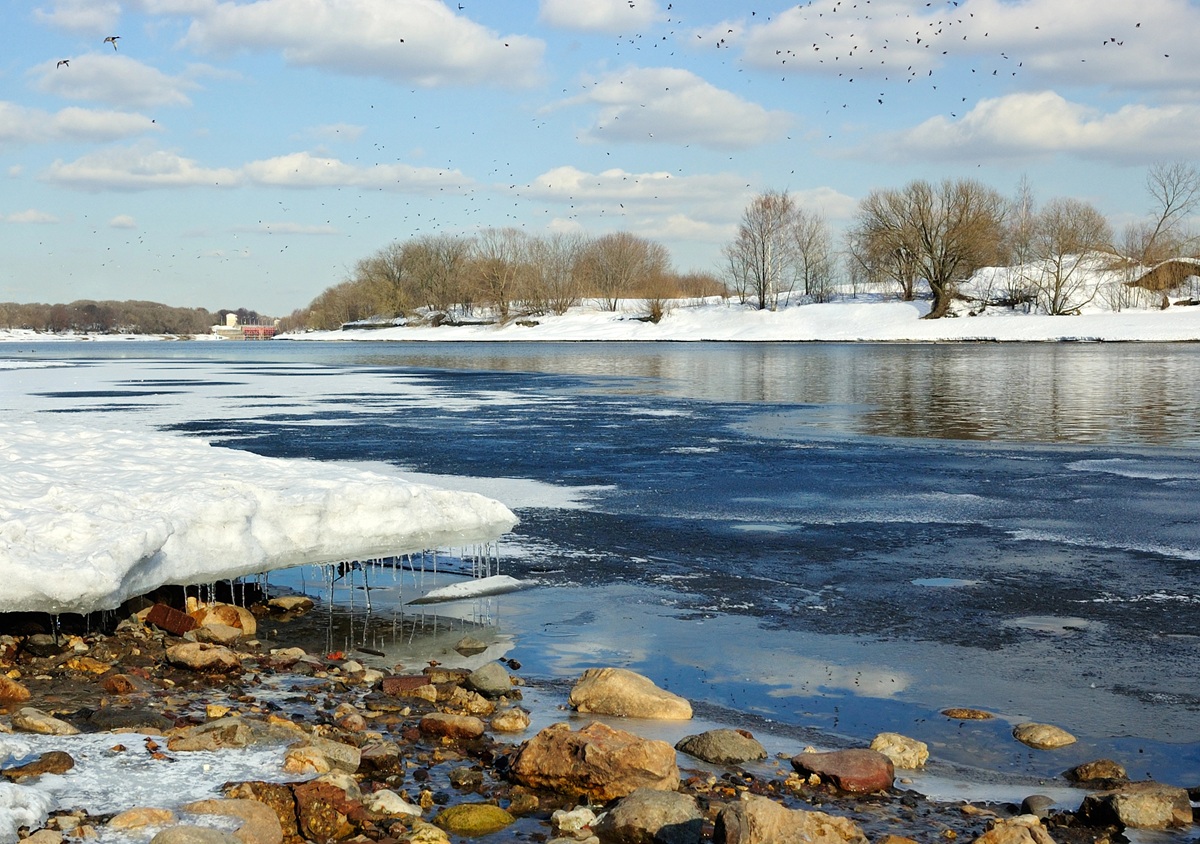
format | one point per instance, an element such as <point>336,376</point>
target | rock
<point>50,762</point>
<point>1142,805</point>
<point>1037,805</point>
<point>305,760</point>
<point>1103,772</point>
<point>228,615</point>
<point>385,802</point>
<point>219,634</point>
<point>1023,829</point>
<point>44,836</point>
<point>722,747</point>
<point>965,714</point>
<point>596,761</point>
<point>571,822</point>
<point>193,835</point>
<point>490,680</point>
<point>759,820</point>
<point>380,758</point>
<point>126,684</point>
<point>466,778</point>
<point>648,816</point>
<point>12,691</point>
<point>296,604</point>
<point>858,771</point>
<point>626,694</point>
<point>230,732</point>
<point>343,757</point>
<point>1042,736</point>
<point>135,720</point>
<point>514,719</point>
<point>426,833</point>
<point>203,656</point>
<point>402,685</point>
<point>905,752</point>
<point>275,796</point>
<point>454,726</point>
<point>141,817</point>
<point>170,619</point>
<point>472,819</point>
<point>32,720</point>
<point>259,824</point>
<point>43,645</point>
<point>323,812</point>
<point>469,646</point>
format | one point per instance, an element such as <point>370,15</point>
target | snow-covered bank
<point>89,517</point>
<point>849,321</point>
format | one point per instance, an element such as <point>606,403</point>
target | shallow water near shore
<point>832,541</point>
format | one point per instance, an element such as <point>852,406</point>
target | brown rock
<point>1105,772</point>
<point>649,816</point>
<point>1042,736</point>
<point>596,761</point>
<point>1142,805</point>
<point>50,762</point>
<point>125,684</point>
<point>454,726</point>
<point>31,720</point>
<point>275,796</point>
<point>202,656</point>
<point>259,822</point>
<point>12,691</point>
<point>1023,829</point>
<point>228,615</point>
<point>965,714</point>
<point>626,694</point>
<point>759,820</point>
<point>141,817</point>
<point>170,619</point>
<point>323,812</point>
<point>858,771</point>
<point>403,685</point>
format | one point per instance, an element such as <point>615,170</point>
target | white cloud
<point>611,17</point>
<point>122,221</point>
<point>22,125</point>
<point>675,106</point>
<point>1042,123</point>
<point>610,189</point>
<point>30,216</point>
<point>113,79</point>
<point>304,170</point>
<point>90,16</point>
<point>136,168</point>
<point>419,42</point>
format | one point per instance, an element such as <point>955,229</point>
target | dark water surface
<point>840,537</point>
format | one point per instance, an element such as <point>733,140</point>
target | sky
<point>229,154</point>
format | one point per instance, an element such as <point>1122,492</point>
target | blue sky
<point>246,154</point>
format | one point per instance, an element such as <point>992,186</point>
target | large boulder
<point>473,819</point>
<point>649,816</point>
<point>1099,773</point>
<point>452,726</point>
<point>1142,805</point>
<point>12,691</point>
<point>596,761</point>
<point>203,656</point>
<point>31,720</point>
<point>490,680</point>
<point>626,694</point>
<point>760,820</point>
<point>859,771</point>
<point>259,824</point>
<point>722,747</point>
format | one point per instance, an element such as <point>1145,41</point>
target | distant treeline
<point>110,317</point>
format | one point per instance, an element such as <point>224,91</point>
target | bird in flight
<point>63,63</point>
<point>112,39</point>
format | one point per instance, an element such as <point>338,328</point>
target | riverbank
<point>275,687</point>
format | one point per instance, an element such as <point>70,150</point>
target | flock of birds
<point>112,39</point>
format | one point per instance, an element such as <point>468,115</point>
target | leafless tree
<point>943,233</point>
<point>1175,189</point>
<point>553,284</point>
<point>1067,234</point>
<point>498,260</point>
<point>614,265</point>
<point>436,266</point>
<point>779,246</point>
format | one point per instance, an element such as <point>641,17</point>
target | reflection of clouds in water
<point>1026,535</point>
<point>806,677</point>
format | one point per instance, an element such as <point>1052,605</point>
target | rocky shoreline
<point>432,753</point>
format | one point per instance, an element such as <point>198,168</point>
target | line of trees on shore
<point>112,317</point>
<point>925,238</point>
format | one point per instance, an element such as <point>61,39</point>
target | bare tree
<point>1067,234</point>
<point>613,266</point>
<point>436,264</point>
<point>553,284</point>
<point>944,232</point>
<point>498,260</point>
<point>763,260</point>
<point>1175,189</point>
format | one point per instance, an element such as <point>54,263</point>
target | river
<point>834,539</point>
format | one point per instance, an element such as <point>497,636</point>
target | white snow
<point>866,319</point>
<point>481,587</point>
<point>89,517</point>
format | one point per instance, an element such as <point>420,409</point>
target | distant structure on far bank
<point>234,330</point>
